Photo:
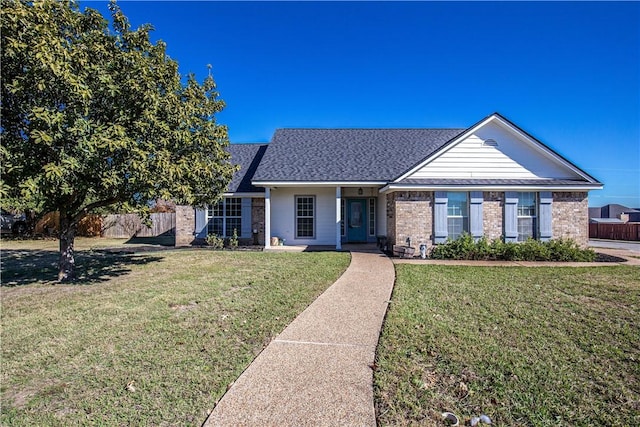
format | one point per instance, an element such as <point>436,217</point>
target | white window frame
<point>220,211</point>
<point>371,217</point>
<point>464,216</point>
<point>525,215</point>
<point>312,216</point>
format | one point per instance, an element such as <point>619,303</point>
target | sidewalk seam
<point>326,344</point>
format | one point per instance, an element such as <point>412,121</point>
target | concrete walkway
<point>318,372</point>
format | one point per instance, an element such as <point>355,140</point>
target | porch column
<point>267,217</point>
<point>338,214</point>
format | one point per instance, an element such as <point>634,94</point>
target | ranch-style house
<point>336,186</point>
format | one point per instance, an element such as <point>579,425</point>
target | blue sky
<point>568,73</point>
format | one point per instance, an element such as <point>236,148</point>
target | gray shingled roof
<point>348,154</point>
<point>248,157</point>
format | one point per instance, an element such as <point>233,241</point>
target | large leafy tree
<point>95,115</point>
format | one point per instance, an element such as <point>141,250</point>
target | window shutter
<point>246,218</point>
<point>440,217</point>
<point>201,223</point>
<point>475,214</point>
<point>510,216</point>
<point>544,215</point>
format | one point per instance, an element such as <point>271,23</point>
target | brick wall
<point>493,214</point>
<point>409,214</point>
<point>185,224</point>
<point>257,218</point>
<point>391,216</point>
<point>570,213</point>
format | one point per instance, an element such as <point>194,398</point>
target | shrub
<point>233,240</point>
<point>461,248</point>
<point>216,242</point>
<point>568,250</point>
<point>534,250</point>
<point>483,249</point>
<point>465,247</point>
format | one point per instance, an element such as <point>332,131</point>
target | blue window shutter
<point>201,224</point>
<point>440,217</point>
<point>544,215</point>
<point>246,218</point>
<point>510,216</point>
<point>475,214</point>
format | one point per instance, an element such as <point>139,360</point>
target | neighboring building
<point>633,216</point>
<point>614,213</point>
<point>335,186</point>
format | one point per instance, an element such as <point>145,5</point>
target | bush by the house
<point>466,248</point>
<point>216,242</point>
<point>232,242</point>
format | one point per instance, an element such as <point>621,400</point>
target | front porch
<point>318,215</point>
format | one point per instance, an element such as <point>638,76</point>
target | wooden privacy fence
<point>129,225</point>
<point>628,231</point>
<point>49,225</point>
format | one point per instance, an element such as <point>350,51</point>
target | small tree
<point>94,116</point>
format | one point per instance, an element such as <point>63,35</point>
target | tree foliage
<point>94,115</point>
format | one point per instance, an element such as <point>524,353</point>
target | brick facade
<point>493,214</point>
<point>185,225</point>
<point>410,214</point>
<point>391,215</point>
<point>570,213</point>
<point>257,219</point>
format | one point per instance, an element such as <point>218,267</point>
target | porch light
<point>360,191</point>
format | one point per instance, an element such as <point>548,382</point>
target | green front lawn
<point>526,346</point>
<point>145,339</point>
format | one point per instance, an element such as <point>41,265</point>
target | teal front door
<point>356,220</point>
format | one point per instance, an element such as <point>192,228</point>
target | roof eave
<point>257,194</point>
<point>318,183</point>
<point>490,187</point>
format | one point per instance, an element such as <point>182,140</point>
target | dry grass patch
<point>154,341</point>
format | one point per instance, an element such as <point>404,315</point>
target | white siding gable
<point>494,150</point>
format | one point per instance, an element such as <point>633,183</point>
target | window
<point>457,214</point>
<point>527,216</point>
<point>305,217</point>
<point>224,217</point>
<point>372,217</point>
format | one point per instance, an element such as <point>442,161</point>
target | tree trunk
<point>67,263</point>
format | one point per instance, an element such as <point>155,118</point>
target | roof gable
<point>495,148</point>
<point>347,155</point>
